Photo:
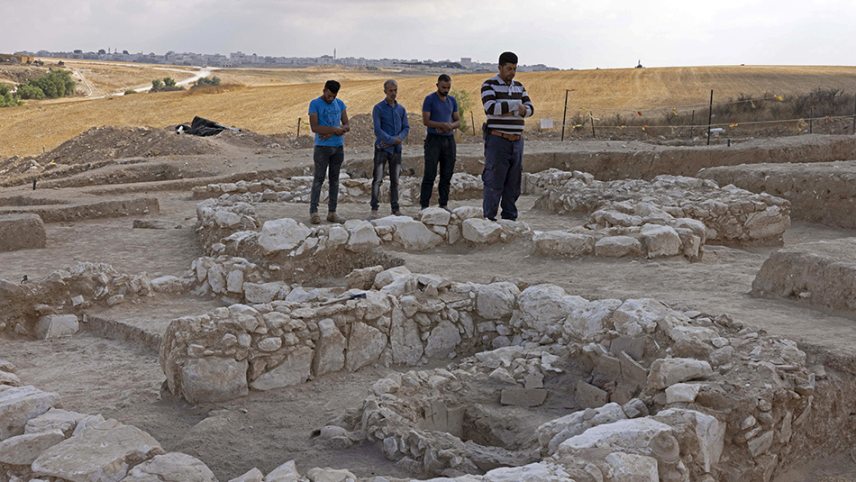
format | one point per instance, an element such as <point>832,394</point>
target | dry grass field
<point>272,100</point>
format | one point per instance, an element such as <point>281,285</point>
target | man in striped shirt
<point>506,104</point>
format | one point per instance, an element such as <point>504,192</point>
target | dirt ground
<point>122,379</point>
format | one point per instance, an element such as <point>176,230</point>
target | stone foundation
<point>820,192</point>
<point>730,215</point>
<point>822,274</point>
<point>21,231</point>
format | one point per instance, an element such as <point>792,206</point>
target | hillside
<point>273,109</point>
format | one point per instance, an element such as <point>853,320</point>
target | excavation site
<point>656,313</point>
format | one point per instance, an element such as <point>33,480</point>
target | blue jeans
<point>502,175</point>
<point>381,159</point>
<point>326,158</point>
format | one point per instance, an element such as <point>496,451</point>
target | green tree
<point>29,91</point>
<point>157,85</point>
<point>168,82</point>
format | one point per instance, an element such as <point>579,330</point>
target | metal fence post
<point>565,114</point>
<point>692,123</point>
<point>591,117</point>
<point>811,120</point>
<point>298,126</point>
<point>709,116</point>
<point>473,122</point>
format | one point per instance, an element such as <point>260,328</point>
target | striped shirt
<point>501,98</point>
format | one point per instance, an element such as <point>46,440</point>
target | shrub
<point>28,91</point>
<point>130,92</point>
<point>157,85</point>
<point>56,83</point>
<point>208,81</point>
<point>464,104</point>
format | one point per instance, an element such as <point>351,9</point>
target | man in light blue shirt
<point>391,129</point>
<point>328,119</point>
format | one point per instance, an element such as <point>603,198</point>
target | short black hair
<point>333,86</point>
<point>507,58</point>
<point>444,78</point>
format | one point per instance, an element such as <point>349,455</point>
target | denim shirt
<point>390,121</point>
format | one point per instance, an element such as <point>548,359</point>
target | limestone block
<point>435,216</point>
<point>56,326</point>
<point>405,342</point>
<point>563,243</point>
<point>708,431</point>
<point>544,308</point>
<point>390,275</point>
<point>617,247</point>
<point>54,419</point>
<point>362,235</point>
<point>20,404</point>
<point>589,396</point>
<point>453,234</point>
<point>330,349</point>
<point>632,468</point>
<point>338,236</point>
<point>639,435</point>
<point>21,231</point>
<point>252,475</point>
<point>589,321</point>
<point>167,284</point>
<point>258,293</point>
<point>102,453</point>
<point>682,393</point>
<point>363,278</point>
<point>523,397</point>
<point>442,340</point>
<point>213,379</point>
<point>416,236</point>
<point>391,221</point>
<point>534,472</point>
<point>24,449</point>
<point>226,219</point>
<point>496,300</point>
<point>9,379</point>
<point>235,281</point>
<point>171,467</point>
<point>217,279</point>
<point>481,231</point>
<point>554,432</point>
<point>286,472</point>
<point>282,235</point>
<point>669,371</point>
<point>365,345</point>
<point>326,474</point>
<point>294,370</point>
<point>637,316</point>
<point>467,212</point>
<point>769,223</point>
<point>660,241</point>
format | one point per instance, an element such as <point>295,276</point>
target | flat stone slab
<point>822,192</point>
<point>21,231</point>
<point>822,273</point>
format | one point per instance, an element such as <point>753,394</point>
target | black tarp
<point>203,127</point>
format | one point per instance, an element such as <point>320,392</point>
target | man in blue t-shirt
<point>440,116</point>
<point>329,121</point>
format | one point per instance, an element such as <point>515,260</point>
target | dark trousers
<point>326,158</point>
<point>381,159</point>
<point>438,150</point>
<point>503,171</point>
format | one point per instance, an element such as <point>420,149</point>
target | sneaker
<point>334,218</point>
<point>445,208</point>
<point>396,212</point>
<point>315,218</point>
<point>374,214</point>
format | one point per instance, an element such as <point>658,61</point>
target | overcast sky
<point>566,34</point>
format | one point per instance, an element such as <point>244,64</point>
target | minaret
<point>334,53</point>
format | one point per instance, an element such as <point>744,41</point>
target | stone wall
<point>53,306</point>
<point>615,362</point>
<point>731,215</point>
<point>297,189</point>
<point>820,192</point>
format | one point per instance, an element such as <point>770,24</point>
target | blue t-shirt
<point>329,115</point>
<point>441,111</point>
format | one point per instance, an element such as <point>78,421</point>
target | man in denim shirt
<point>390,128</point>
<point>329,121</point>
